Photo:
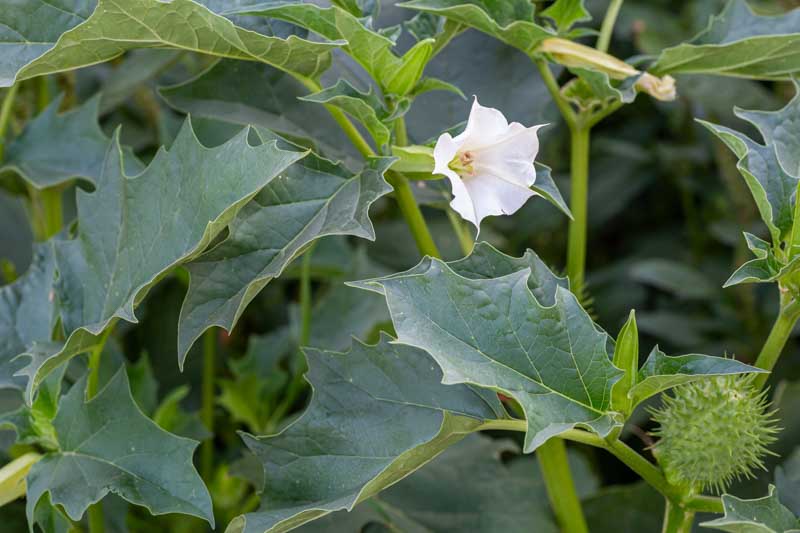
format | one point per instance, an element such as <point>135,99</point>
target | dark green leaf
<point>367,108</point>
<point>738,42</point>
<point>62,40</point>
<point>773,189</point>
<point>27,314</point>
<point>565,13</point>
<point>54,149</point>
<point>311,199</point>
<point>378,413</point>
<point>110,446</point>
<point>127,242</point>
<point>490,329</point>
<point>373,51</point>
<point>761,515</point>
<point>510,21</point>
<point>245,93</point>
<point>661,372</point>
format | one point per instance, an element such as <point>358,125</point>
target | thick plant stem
<point>305,298</point>
<point>96,520</point>
<point>644,468</point>
<point>95,356</point>
<point>46,214</point>
<point>42,93</point>
<point>462,232</point>
<point>207,406</point>
<point>677,519</point>
<point>5,115</point>
<point>296,385</point>
<point>607,27</point>
<point>579,198</point>
<point>412,214</point>
<point>781,330</point>
<point>408,204</point>
<point>552,457</point>
<point>95,512</point>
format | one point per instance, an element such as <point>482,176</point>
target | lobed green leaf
<point>760,515</point>
<point>57,40</point>
<point>511,21</point>
<point>739,43</point>
<point>110,446</point>
<point>309,200</point>
<point>377,414</point>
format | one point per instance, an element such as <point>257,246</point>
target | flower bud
<point>575,55</point>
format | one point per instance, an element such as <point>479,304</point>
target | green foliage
<point>511,22</point>
<point>765,515</point>
<point>113,447</point>
<point>311,199</point>
<point>199,165</point>
<point>116,26</point>
<point>740,43</point>
<point>391,415</point>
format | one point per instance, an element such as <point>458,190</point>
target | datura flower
<point>489,165</point>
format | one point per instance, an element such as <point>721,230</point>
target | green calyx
<point>462,164</point>
<point>713,432</point>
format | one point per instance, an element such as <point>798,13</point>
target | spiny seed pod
<point>713,431</point>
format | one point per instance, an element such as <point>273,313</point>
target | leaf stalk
<point>607,28</point>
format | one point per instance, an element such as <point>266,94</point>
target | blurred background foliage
<point>667,210</point>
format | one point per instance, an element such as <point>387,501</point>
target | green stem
<point>95,512</point>
<point>95,357</point>
<point>207,405</point>
<point>408,204</point>
<point>644,468</point>
<point>305,297</point>
<point>677,519</point>
<point>552,457</point>
<point>97,522</point>
<point>297,384</point>
<point>555,92</point>
<point>787,318</point>
<point>42,93</point>
<point>607,28</point>
<point>341,119</point>
<point>46,212</point>
<point>5,115</point>
<point>462,232</point>
<point>412,214</point>
<point>405,198</point>
<point>400,132</point>
<point>576,245</point>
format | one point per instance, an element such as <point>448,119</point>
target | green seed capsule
<point>712,432</point>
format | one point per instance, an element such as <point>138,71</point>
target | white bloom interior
<point>490,164</point>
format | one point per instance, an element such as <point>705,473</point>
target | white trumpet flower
<point>489,165</point>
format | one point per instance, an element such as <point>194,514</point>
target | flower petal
<point>491,195</point>
<point>462,202</point>
<point>484,126</point>
<point>511,157</point>
<point>444,152</point>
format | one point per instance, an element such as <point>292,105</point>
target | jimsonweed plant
<point>270,266</point>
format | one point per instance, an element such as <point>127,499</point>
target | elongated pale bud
<point>572,54</point>
<point>12,477</point>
